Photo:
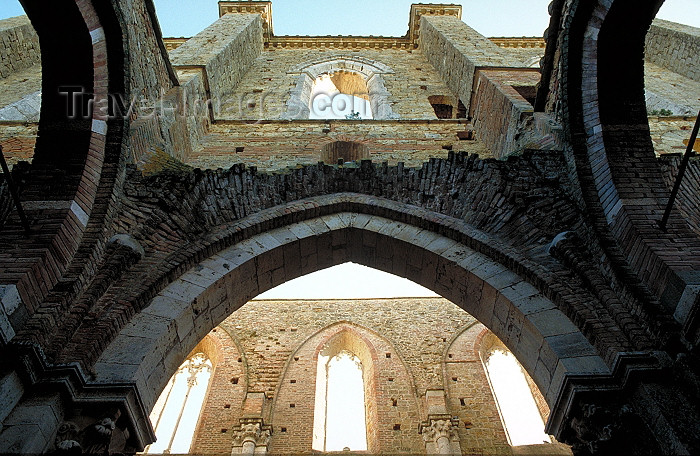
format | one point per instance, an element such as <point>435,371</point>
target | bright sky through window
<point>328,103</point>
<point>176,412</point>
<point>519,412</point>
<point>339,415</point>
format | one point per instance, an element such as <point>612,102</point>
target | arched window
<point>521,418</point>
<point>340,95</point>
<point>339,413</point>
<point>176,412</point>
<point>310,97</point>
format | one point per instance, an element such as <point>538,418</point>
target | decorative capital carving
<point>92,437</point>
<point>439,426</point>
<point>252,430</point>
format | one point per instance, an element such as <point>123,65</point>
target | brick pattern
<point>274,146</point>
<point>529,227</point>
<point>269,82</point>
<point>613,158</point>
<point>273,346</point>
<point>225,396</point>
<point>469,395</point>
<point>688,199</point>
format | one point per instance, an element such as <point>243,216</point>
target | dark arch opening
<point>344,151</point>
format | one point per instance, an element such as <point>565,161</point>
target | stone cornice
<point>264,9</point>
<point>523,42</point>
<point>174,43</point>
<point>407,42</point>
<point>429,9</point>
<point>339,42</point>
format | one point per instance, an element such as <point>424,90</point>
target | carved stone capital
<point>252,430</point>
<point>439,426</point>
<point>86,435</point>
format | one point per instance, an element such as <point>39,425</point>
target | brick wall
<point>270,80</point>
<point>273,346</point>
<point>274,146</point>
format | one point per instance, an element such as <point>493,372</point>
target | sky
<point>375,17</point>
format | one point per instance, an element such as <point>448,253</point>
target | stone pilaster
<point>251,437</point>
<point>440,434</point>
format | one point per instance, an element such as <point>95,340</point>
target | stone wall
<point>675,47</point>
<point>19,45</point>
<point>457,51</point>
<point>225,49</point>
<point>274,146</point>
<point>264,91</point>
<point>500,114</point>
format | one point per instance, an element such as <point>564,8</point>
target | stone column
<point>440,435</point>
<point>251,437</point>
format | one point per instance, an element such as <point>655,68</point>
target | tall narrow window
<point>339,414</point>
<point>176,412</point>
<point>521,417</point>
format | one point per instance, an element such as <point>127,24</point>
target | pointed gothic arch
<point>548,345</point>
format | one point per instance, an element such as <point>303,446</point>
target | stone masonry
<point>519,178</point>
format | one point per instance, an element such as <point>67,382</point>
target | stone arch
<point>370,70</point>
<point>605,109</point>
<point>548,345</point>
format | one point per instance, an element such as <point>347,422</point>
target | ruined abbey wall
<point>271,347</point>
<point>127,263</point>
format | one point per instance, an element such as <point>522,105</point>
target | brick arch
<point>462,361</point>
<point>77,148</point>
<point>371,71</point>
<point>621,181</point>
<point>549,346</point>
<point>364,343</point>
<point>221,391</point>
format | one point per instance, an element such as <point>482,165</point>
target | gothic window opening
<point>521,418</point>
<point>339,413</point>
<point>175,415</point>
<point>340,95</point>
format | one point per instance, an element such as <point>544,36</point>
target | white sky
<point>347,281</point>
